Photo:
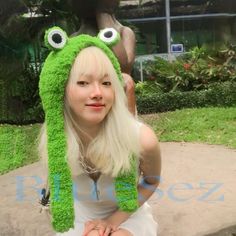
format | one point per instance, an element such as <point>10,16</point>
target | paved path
<point>197,194</point>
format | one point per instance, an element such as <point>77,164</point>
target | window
<point>192,23</point>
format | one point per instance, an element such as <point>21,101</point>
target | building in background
<point>166,26</point>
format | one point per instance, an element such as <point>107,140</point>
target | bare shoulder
<point>127,31</point>
<point>148,140</point>
<point>128,36</point>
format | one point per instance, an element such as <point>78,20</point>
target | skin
<point>90,98</point>
<point>150,166</point>
<point>97,15</point>
<point>92,88</point>
<point>150,150</point>
<point>125,52</point>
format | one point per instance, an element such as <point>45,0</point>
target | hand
<point>103,227</point>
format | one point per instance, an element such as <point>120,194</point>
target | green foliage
<point>218,94</point>
<point>195,70</point>
<point>205,125</point>
<point>147,88</point>
<point>17,146</point>
<point>54,12</point>
<point>19,100</point>
<point>22,54</point>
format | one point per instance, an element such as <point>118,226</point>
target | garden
<point>203,77</point>
<point>191,99</point>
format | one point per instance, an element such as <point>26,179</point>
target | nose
<point>96,92</point>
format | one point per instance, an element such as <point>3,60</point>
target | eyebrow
<point>90,76</point>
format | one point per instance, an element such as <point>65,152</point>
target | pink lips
<point>96,106</point>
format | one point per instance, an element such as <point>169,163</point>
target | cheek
<point>72,95</point>
<point>69,93</point>
<point>112,97</point>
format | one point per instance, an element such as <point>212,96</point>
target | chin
<point>96,120</point>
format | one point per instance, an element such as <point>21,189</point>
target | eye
<point>82,83</point>
<point>109,36</point>
<point>107,83</point>
<point>55,38</point>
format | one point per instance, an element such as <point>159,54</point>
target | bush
<point>147,88</point>
<point>194,71</point>
<point>19,98</point>
<point>218,94</point>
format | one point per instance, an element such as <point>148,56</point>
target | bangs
<point>90,60</point>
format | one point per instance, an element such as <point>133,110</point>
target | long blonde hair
<point>118,136</point>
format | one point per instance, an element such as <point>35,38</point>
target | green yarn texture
<point>126,188</point>
<point>52,85</point>
<point>47,44</point>
<point>113,42</point>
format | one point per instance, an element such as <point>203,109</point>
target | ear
<point>55,38</point>
<point>109,36</point>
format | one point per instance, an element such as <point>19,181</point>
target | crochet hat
<point>53,78</point>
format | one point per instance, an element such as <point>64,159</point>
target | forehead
<point>92,61</point>
<point>95,75</point>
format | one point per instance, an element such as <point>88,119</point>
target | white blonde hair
<point>118,136</point>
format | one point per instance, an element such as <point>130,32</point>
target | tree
<point>23,24</point>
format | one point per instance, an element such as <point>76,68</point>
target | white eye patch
<point>109,36</point>
<point>57,38</point>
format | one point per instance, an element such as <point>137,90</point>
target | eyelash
<point>82,83</point>
<point>107,83</point>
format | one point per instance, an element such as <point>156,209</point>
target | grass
<point>205,125</point>
<point>17,146</point>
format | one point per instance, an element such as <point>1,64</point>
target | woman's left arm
<point>150,164</point>
<point>150,167</point>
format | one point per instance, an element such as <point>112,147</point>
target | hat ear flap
<point>55,38</point>
<point>109,36</point>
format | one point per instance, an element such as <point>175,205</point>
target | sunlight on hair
<point>111,149</point>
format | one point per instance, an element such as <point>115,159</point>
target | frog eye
<point>109,36</point>
<point>55,38</point>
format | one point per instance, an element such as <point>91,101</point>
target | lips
<point>95,105</point>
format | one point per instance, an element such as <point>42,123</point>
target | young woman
<point>104,144</point>
<point>100,14</point>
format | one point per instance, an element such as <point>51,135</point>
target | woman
<point>91,141</point>
<point>99,14</point>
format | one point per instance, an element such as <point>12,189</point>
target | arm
<point>151,168</point>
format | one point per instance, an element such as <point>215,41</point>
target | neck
<point>87,134</point>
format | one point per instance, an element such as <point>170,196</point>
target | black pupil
<point>57,38</point>
<point>108,34</point>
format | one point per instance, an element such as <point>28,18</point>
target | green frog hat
<point>53,79</point>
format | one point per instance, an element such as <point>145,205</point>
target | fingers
<point>107,231</point>
<point>90,225</point>
<point>103,228</point>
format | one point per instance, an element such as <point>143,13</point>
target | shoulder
<point>127,31</point>
<point>127,34</point>
<point>148,140</point>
